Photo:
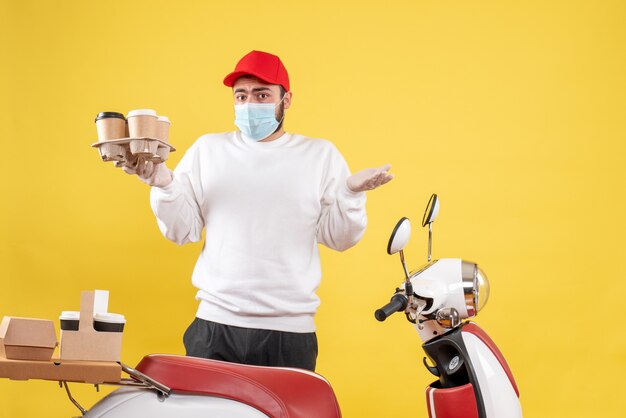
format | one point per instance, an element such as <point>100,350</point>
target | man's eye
<point>263,96</point>
<point>240,97</point>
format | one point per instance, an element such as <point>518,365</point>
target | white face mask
<point>257,120</point>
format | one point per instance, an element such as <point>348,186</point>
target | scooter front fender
<point>474,379</point>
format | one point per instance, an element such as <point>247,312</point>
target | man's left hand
<point>370,178</point>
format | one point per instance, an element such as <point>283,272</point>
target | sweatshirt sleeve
<point>177,206</point>
<point>343,219</point>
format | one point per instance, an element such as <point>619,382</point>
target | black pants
<point>259,347</point>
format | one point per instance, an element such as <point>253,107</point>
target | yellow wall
<point>513,112</point>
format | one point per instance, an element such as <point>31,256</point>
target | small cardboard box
<point>87,343</point>
<point>27,338</point>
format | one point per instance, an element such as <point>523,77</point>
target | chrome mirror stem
<point>406,272</point>
<point>430,240</point>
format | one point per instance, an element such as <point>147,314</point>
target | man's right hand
<point>155,175</point>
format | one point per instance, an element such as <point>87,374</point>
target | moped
<point>473,379</point>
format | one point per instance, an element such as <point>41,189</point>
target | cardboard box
<point>27,338</point>
<point>61,370</point>
<point>87,343</point>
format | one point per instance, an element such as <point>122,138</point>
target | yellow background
<point>513,112</point>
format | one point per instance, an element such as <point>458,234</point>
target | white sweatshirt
<point>265,207</point>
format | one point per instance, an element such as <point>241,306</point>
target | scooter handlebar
<point>398,303</point>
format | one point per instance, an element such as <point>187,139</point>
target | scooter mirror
<point>432,210</point>
<point>400,236</point>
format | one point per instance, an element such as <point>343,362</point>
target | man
<point>266,199</point>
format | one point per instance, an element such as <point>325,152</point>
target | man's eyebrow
<point>254,90</point>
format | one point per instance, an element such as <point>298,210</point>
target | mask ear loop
<point>283,118</point>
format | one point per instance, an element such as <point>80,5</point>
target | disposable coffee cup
<point>109,322</point>
<point>110,125</point>
<point>163,133</point>
<point>142,123</point>
<point>163,128</point>
<point>69,320</point>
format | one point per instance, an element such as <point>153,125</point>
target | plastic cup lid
<point>110,317</point>
<point>163,119</point>
<point>142,112</point>
<point>107,115</point>
<point>70,315</point>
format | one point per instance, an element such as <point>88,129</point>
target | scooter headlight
<point>482,289</point>
<point>475,287</point>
